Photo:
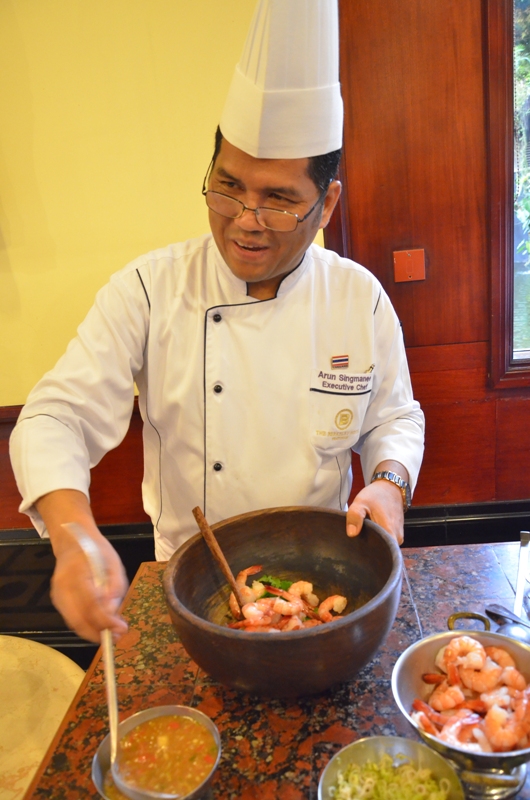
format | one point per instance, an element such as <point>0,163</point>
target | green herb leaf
<point>270,580</point>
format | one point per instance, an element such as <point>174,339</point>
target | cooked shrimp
<point>336,602</point>
<point>288,608</point>
<point>439,660</point>
<point>241,580</point>
<point>481,680</point>
<point>500,656</point>
<point>433,677</point>
<point>521,707</point>
<point>445,696</point>
<point>502,729</point>
<point>299,602</point>
<point>465,737</point>
<point>422,720</point>
<point>260,612</point>
<point>292,623</point>
<point>473,704</point>
<point>246,593</point>
<point>248,625</point>
<point>258,588</point>
<point>433,716</point>
<point>447,669</point>
<point>513,678</point>
<point>304,589</point>
<point>310,623</point>
<point>499,696</point>
<point>481,739</point>
<point>465,652</point>
<point>257,628</point>
<point>257,614</point>
<point>454,727</point>
<point>280,610</point>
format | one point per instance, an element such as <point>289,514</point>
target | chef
<point>261,360</point>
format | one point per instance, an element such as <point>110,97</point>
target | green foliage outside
<point>521,54</point>
<point>521,59</point>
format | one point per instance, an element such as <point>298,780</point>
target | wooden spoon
<point>217,553</point>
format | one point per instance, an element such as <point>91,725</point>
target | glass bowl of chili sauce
<point>164,752</point>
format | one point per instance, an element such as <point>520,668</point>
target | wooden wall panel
<point>415,176</point>
<point>513,448</point>
<point>476,451</point>
<point>116,482</point>
<point>459,466</point>
<point>456,386</point>
<point>9,496</point>
<point>470,355</point>
<point>414,158</point>
<point>358,481</point>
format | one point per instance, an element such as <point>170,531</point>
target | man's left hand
<point>382,502</point>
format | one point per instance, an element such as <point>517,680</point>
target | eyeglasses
<point>271,218</point>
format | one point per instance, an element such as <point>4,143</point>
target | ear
<point>330,201</point>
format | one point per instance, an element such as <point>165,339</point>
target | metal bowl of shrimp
<point>355,583</point>
<point>469,703</point>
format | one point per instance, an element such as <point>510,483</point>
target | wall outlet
<point>409,265</point>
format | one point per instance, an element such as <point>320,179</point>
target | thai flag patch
<point>340,362</point>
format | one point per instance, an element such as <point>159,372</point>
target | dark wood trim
<point>115,488</point>
<point>505,372</point>
<point>9,414</point>
<point>439,358</point>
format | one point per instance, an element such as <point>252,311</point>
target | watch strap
<point>398,481</point>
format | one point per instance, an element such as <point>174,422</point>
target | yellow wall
<point>107,114</point>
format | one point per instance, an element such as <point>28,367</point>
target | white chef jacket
<point>246,404</point>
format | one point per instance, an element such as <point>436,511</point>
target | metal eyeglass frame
<point>255,211</point>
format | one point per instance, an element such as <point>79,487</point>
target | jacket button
<point>217,466</point>
<point>217,318</point>
<point>218,388</point>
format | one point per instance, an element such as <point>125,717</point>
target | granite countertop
<point>272,749</point>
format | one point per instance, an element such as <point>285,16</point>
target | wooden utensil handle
<point>216,551</point>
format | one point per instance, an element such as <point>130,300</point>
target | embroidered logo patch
<point>343,419</point>
<point>340,362</point>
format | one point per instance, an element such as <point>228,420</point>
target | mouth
<point>250,247</point>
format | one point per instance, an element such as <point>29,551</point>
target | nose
<point>248,221</point>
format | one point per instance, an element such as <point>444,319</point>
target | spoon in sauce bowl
<point>95,561</point>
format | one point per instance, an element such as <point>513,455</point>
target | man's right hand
<point>85,608</point>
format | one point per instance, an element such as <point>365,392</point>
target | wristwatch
<point>399,482</point>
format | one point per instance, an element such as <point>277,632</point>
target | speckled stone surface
<point>272,749</point>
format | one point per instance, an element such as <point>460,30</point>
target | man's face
<point>257,255</point>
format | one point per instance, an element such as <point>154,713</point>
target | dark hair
<point>321,169</point>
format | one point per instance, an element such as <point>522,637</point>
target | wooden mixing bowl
<point>295,543</point>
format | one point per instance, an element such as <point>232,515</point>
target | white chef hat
<point>284,100</point>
